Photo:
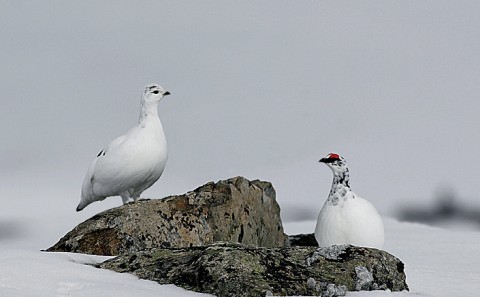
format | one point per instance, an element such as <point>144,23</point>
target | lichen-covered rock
<point>233,210</point>
<point>227,269</point>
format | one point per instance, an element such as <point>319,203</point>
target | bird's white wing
<point>102,162</point>
<point>127,163</point>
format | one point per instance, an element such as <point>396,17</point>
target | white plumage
<point>346,218</point>
<point>133,162</point>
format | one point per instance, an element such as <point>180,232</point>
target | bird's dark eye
<point>155,92</point>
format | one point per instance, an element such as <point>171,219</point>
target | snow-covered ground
<point>41,274</point>
<point>438,263</point>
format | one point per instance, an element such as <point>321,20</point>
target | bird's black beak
<point>166,93</point>
<point>326,160</point>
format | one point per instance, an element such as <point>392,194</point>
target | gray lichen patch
<point>335,253</point>
<point>364,279</point>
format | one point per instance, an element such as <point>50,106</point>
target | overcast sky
<point>261,89</point>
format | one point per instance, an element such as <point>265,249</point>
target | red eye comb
<point>333,156</point>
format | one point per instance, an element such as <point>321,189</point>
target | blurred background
<point>259,89</point>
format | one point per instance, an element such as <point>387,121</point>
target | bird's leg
<point>136,198</point>
<point>125,197</point>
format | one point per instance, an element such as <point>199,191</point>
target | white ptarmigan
<point>133,162</point>
<point>346,218</point>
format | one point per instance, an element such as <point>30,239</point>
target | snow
<point>35,273</point>
<point>438,263</point>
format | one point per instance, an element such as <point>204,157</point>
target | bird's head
<point>154,93</point>
<point>335,162</point>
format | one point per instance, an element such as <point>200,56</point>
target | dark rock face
<point>228,269</point>
<point>302,240</point>
<point>233,210</point>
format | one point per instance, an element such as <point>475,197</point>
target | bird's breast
<point>144,149</point>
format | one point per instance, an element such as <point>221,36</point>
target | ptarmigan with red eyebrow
<point>346,218</point>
